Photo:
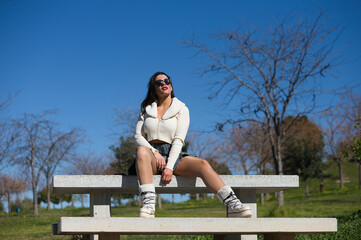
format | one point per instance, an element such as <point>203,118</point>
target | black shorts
<point>164,149</point>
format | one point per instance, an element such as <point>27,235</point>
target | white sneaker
<point>234,206</point>
<point>146,212</point>
<point>239,212</point>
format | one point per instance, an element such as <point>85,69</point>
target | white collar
<point>173,109</point>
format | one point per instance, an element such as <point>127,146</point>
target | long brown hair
<point>151,95</point>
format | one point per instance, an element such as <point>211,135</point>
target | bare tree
<point>126,119</point>
<point>245,148</point>
<point>260,146</point>
<point>34,152</point>
<point>203,145</point>
<point>33,128</point>
<point>88,164</point>
<point>10,186</point>
<point>353,152</point>
<point>58,147</point>
<point>8,133</point>
<point>334,139</point>
<point>339,128</point>
<point>236,150</point>
<point>261,149</point>
<point>272,72</point>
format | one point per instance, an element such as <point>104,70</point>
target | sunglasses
<point>160,83</point>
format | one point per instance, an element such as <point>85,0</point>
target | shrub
<point>349,228</point>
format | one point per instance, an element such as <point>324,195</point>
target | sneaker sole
<point>146,214</point>
<point>243,214</point>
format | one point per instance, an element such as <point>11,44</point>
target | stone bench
<point>102,187</point>
<point>273,228</point>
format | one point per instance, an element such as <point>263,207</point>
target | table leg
<point>109,236</point>
<point>249,198</point>
<point>100,201</point>
<point>279,236</point>
<point>226,237</point>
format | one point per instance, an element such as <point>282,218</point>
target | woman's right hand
<point>160,161</point>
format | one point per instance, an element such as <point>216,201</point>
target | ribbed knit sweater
<point>172,128</point>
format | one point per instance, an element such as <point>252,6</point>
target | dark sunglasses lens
<point>159,83</point>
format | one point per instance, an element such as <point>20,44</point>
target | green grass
<point>329,203</point>
<point>332,202</point>
<point>27,226</point>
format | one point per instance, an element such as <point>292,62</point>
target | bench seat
<point>118,184</point>
<point>195,226</point>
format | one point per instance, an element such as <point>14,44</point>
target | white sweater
<point>171,128</point>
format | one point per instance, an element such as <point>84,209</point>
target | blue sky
<point>86,58</point>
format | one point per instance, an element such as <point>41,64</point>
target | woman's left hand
<point>167,175</point>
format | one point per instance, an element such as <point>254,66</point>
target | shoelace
<point>148,199</point>
<point>232,201</point>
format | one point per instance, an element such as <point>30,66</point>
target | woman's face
<point>161,88</point>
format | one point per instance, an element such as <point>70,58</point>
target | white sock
<point>228,197</point>
<point>147,193</point>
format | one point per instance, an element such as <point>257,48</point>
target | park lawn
<point>26,226</point>
<point>330,203</point>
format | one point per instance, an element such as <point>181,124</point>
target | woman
<point>160,133</point>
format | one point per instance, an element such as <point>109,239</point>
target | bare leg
<point>196,167</point>
<point>145,165</point>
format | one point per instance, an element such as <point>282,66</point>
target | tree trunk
<point>159,201</point>
<point>340,168</point>
<point>48,192</point>
<point>61,202</point>
<point>359,175</point>
<point>35,202</point>
<point>72,201</point>
<point>9,202</point>
<point>280,199</point>
<point>275,140</point>
<point>262,194</point>
<point>279,169</point>
<point>33,183</point>
<point>82,200</point>
<point>279,196</point>
<point>307,189</point>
